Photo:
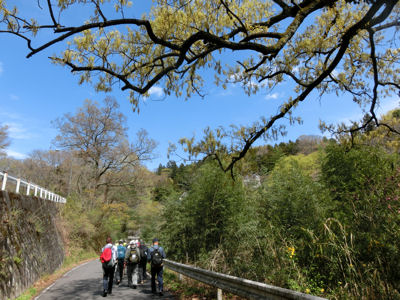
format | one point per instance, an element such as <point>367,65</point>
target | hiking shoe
<point>161,293</point>
<point>104,293</point>
<point>134,286</point>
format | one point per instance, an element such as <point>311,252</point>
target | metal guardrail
<point>35,189</point>
<point>238,286</point>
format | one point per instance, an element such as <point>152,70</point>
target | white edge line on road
<point>45,290</point>
<point>50,286</point>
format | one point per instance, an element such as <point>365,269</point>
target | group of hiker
<point>134,257</point>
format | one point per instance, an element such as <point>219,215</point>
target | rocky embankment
<point>31,243</point>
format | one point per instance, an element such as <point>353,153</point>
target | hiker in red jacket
<point>108,260</point>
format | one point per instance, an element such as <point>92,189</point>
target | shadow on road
<point>92,289</point>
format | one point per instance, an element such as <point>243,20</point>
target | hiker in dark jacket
<point>155,256</point>
<point>143,261</point>
<point>109,268</point>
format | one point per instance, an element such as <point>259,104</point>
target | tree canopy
<point>323,46</point>
<point>97,135</point>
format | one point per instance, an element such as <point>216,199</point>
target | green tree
<point>202,219</point>
<point>363,232</point>
<point>322,46</point>
<point>382,135</point>
<point>267,156</point>
<point>293,196</point>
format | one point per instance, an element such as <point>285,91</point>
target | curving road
<point>85,282</point>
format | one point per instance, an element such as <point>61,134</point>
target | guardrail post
<point>28,189</point>
<point>35,191</point>
<point>3,186</point>
<point>219,294</point>
<point>41,193</point>
<point>18,185</point>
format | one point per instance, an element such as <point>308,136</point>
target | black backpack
<point>156,258</point>
<point>143,254</point>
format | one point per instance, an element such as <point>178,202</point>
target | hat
<point>121,241</point>
<point>132,242</point>
<point>155,240</point>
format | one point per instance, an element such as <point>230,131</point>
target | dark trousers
<point>156,271</point>
<point>120,270</point>
<point>108,277</point>
<point>142,271</point>
<point>132,273</point>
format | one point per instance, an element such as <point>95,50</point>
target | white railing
<point>238,286</point>
<point>31,188</point>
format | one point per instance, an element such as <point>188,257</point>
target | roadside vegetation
<point>316,215</point>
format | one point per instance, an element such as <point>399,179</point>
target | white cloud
<point>355,117</point>
<point>156,90</point>
<point>296,69</point>
<point>388,104</point>
<point>1,67</point>
<point>15,154</point>
<point>9,116</point>
<point>254,84</point>
<point>17,131</point>
<point>225,93</point>
<point>242,78</point>
<point>272,96</point>
<point>385,106</point>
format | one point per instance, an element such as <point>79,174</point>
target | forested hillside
<point>317,215</point>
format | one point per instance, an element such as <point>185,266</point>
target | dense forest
<point>316,215</point>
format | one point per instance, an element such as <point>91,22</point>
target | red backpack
<point>106,256</point>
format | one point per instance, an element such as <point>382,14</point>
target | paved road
<point>85,282</point>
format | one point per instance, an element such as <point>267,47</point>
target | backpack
<point>121,252</point>
<point>106,257</point>
<point>143,254</point>
<point>133,256</point>
<point>156,258</point>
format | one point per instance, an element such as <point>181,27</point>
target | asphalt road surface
<point>86,282</point>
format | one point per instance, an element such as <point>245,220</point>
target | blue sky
<point>33,92</point>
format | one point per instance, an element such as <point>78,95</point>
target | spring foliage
<point>323,46</point>
<point>325,223</point>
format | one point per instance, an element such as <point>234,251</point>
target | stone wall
<point>30,243</point>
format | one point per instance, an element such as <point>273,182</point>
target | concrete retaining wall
<point>30,243</point>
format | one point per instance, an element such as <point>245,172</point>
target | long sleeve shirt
<point>151,250</point>
<point>113,252</point>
